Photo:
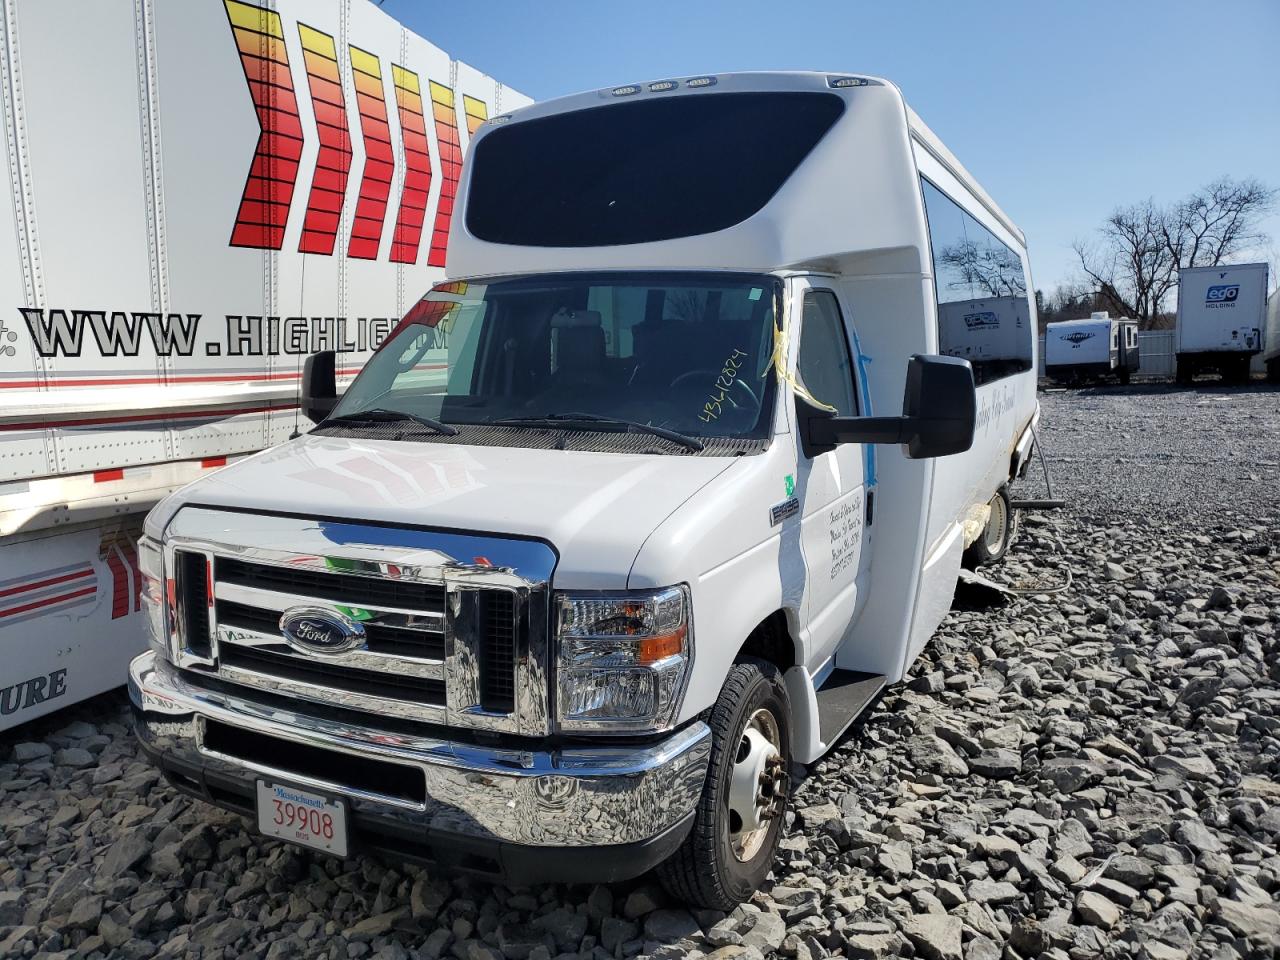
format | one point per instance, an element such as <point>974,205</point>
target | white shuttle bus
<point>1100,346</point>
<point>692,485</point>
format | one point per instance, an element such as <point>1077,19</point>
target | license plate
<point>302,817</point>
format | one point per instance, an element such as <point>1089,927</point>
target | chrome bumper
<point>574,797</point>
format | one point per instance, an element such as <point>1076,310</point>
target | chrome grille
<point>452,628</point>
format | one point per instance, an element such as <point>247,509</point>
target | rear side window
<point>638,172</point>
<point>825,365</point>
<point>984,314</point>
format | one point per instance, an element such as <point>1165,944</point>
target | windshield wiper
<point>589,420</point>
<point>383,415</point>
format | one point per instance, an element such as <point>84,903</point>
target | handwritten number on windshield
<point>712,409</point>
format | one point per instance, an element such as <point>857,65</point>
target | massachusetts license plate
<point>301,816</point>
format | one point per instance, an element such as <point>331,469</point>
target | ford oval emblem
<point>320,630</point>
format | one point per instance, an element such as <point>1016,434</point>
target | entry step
<point>844,695</point>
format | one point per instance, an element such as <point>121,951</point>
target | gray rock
<point>28,751</point>
<point>766,932</point>
<point>75,757</point>
<point>997,764</point>
<point>1131,870</point>
<point>125,854</point>
<point>668,926</point>
<point>1094,908</point>
<point>936,756</point>
<point>1070,774</point>
<point>936,936</point>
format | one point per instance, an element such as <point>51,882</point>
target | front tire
<point>738,820</point>
<point>996,536</point>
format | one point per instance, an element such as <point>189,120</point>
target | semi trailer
<point>1221,319</point>
<point>1271,338</point>
<point>1100,346</point>
<point>693,486</point>
<point>200,194</point>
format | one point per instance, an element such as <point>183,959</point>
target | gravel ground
<point>1091,769</point>
<point>1203,452</point>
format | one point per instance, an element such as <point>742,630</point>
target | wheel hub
<point>758,786</point>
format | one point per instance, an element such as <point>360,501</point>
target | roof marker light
<point>848,82</point>
<point>700,82</point>
<point>503,118</point>
<point>662,86</point>
<point>626,91</point>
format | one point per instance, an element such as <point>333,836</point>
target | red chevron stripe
<point>268,192</point>
<point>379,164</point>
<point>417,163</point>
<point>333,160</point>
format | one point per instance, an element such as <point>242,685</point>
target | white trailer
<point>695,487</point>
<point>201,194</point>
<point>1099,346</point>
<point>1221,318</point>
<point>1271,337</point>
<point>989,332</point>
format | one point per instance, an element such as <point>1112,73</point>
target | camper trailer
<point>1101,346</point>
<point>261,183</point>
<point>1221,317</point>
<point>694,485</point>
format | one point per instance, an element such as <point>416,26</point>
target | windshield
<point>680,352</point>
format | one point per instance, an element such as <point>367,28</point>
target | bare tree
<point>995,270</point>
<point>1217,222</point>
<point>1135,262</point>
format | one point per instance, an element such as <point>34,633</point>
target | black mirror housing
<point>319,385</point>
<point>939,414</point>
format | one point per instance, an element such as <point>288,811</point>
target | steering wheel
<point>703,376</point>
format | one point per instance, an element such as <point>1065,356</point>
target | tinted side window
<point>984,314</point>
<point>825,365</point>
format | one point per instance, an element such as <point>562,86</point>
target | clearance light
<point>500,119</point>
<point>626,91</point>
<point>701,82</point>
<point>662,86</point>
<point>849,82</point>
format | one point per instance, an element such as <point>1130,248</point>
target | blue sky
<point>1062,111</point>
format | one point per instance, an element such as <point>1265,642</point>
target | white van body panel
<point>1222,309</point>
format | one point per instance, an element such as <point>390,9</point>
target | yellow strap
<point>781,337</point>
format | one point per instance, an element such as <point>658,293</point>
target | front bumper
<point>593,813</point>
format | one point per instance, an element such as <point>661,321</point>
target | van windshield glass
<point>681,352</point>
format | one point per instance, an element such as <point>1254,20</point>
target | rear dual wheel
<point>738,820</point>
<point>993,542</point>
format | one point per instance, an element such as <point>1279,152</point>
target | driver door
<point>832,485</point>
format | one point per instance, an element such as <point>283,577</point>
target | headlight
<point>151,568</point>
<point>624,658</point>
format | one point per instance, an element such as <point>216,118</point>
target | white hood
<point>596,509</point>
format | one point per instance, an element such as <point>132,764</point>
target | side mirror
<point>939,413</point>
<point>319,385</point>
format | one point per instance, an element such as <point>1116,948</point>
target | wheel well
<point>771,640</point>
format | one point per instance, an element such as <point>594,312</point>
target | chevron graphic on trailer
<point>333,161</point>
<point>268,192</point>
<point>417,167</point>
<point>446,120</point>
<point>379,163</point>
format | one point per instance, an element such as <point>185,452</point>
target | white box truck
<point>1271,338</point>
<point>695,485</point>
<point>1221,318</point>
<point>200,194</point>
<point>1076,351</point>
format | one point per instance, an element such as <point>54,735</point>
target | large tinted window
<point>984,314</point>
<point>634,172</point>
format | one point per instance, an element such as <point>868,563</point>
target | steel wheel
<point>758,787</point>
<point>997,528</point>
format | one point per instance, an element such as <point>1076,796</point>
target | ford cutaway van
<point>640,508</point>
